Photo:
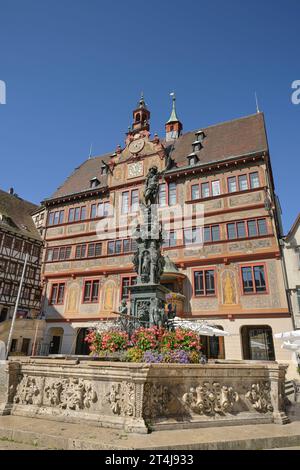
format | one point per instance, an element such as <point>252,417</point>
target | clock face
<point>135,169</point>
<point>136,146</point>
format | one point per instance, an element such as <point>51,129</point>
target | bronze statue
<point>152,186</point>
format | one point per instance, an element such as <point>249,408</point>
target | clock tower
<point>141,118</point>
<point>173,125</point>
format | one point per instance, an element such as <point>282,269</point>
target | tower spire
<point>173,125</point>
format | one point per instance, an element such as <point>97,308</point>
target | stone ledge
<point>65,436</point>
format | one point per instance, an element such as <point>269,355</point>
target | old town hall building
<point>219,210</point>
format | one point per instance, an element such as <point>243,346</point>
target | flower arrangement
<point>107,341</point>
<point>150,345</point>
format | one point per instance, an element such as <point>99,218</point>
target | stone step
<point>49,434</point>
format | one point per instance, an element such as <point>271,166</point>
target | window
<point>25,346</point>
<point>254,180</point>
<point>252,228</point>
<point>215,188</point>
<point>57,294</point>
<point>27,248</point>
<point>249,228</point>
<point>7,243</point>
<point>77,213</point>
<point>31,272</point>
<point>64,252</point>
<point>13,267</point>
<point>134,200</point>
<point>211,233</point>
<point>243,182</point>
<point>172,197</point>
<point>26,293</point>
<point>257,343</point>
<point>205,190</point>
<point>56,217</point>
<point>162,195</point>
<point>126,246</point>
<point>7,288</point>
<point>80,251</point>
<point>91,291</point>
<point>125,202</point>
<point>126,283</point>
<point>54,254</point>
<point>94,249</point>
<point>121,246</point>
<point>232,188</point>
<point>254,279</point>
<point>204,282</point>
<point>170,240</point>
<point>100,210</point>
<point>192,235</point>
<point>36,251</point>
<point>195,191</point>
<point>262,226</point>
<point>18,244</point>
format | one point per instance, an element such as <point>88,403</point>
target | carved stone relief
<point>260,397</point>
<point>73,393</point>
<point>29,391</point>
<point>210,399</point>
<point>121,398</point>
<point>156,398</point>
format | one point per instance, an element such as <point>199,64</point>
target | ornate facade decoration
<point>260,397</point>
<point>210,399</point>
<point>121,398</point>
<point>72,394</point>
<point>28,391</point>
<point>156,399</point>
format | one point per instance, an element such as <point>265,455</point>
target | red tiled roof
<point>235,138</point>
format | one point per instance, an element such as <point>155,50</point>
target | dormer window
<point>197,145</point>
<point>192,159</point>
<point>200,135</point>
<point>94,182</point>
<point>104,170</point>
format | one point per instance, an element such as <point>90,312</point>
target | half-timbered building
<point>18,238</point>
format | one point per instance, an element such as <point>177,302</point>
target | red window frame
<point>167,193</point>
<point>210,190</point>
<point>104,206</point>
<point>52,216</point>
<point>91,298</point>
<point>249,185</point>
<point>204,270</point>
<point>131,278</point>
<point>73,210</point>
<point>245,221</point>
<point>57,299</point>
<point>252,266</point>
<point>129,192</point>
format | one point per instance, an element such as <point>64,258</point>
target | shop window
<point>257,342</point>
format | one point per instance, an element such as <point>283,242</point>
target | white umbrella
<point>291,346</point>
<point>202,328</point>
<point>292,340</point>
<point>288,334</point>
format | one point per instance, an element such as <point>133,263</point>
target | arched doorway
<point>82,348</point>
<point>257,343</point>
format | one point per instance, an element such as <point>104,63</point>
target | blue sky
<point>74,70</point>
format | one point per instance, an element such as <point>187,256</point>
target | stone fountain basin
<point>142,397</point>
